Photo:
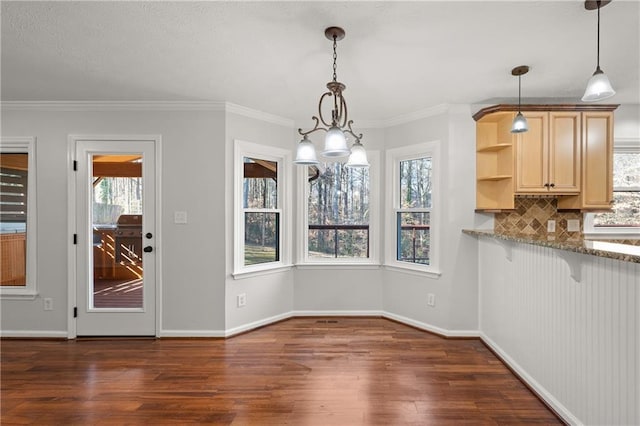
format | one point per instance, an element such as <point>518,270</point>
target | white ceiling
<point>397,57</point>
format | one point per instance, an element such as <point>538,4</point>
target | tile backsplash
<point>530,218</point>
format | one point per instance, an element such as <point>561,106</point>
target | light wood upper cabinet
<point>548,155</point>
<point>597,171</point>
<point>567,153</point>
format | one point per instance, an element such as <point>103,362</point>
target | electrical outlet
<point>431,299</point>
<point>48,304</point>
<point>551,226</point>
<point>573,225</point>
<point>242,300</point>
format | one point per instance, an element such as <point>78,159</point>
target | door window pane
<point>117,190</point>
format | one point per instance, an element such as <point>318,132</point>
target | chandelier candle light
<point>599,86</point>
<point>335,143</point>
<point>519,122</point>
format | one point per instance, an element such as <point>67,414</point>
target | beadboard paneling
<point>579,341</point>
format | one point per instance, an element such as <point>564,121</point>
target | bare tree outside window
<point>338,208</point>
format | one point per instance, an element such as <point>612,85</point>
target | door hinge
<point>75,312</point>
<point>75,238</point>
<point>75,165</point>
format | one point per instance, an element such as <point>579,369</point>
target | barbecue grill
<point>128,236</point>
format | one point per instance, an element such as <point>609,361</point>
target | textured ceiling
<point>397,57</point>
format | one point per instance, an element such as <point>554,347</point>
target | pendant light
<point>519,122</point>
<point>598,87</point>
<point>335,142</point>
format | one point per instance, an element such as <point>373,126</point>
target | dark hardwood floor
<point>303,371</point>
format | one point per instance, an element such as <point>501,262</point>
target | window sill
<point>256,273</point>
<point>412,270</point>
<point>15,294</point>
<point>338,265</point>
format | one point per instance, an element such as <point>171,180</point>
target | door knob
<point>147,249</point>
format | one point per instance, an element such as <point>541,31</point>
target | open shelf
<point>493,148</point>
<point>496,177</point>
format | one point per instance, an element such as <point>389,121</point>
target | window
<point>412,198</point>
<point>261,203</point>
<point>17,218</point>
<point>624,219</point>
<point>339,214</point>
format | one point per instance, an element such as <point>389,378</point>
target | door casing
<point>72,222</point>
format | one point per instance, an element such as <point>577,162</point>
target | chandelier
<point>337,128</point>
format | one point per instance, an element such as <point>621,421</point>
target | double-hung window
<point>262,225</point>
<point>18,218</point>
<point>624,219</point>
<point>339,211</point>
<point>412,232</point>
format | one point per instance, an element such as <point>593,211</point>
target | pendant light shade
<point>335,143</point>
<point>306,153</point>
<point>358,157</point>
<point>520,124</point>
<point>599,86</point>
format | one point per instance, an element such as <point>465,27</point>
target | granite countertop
<point>611,249</point>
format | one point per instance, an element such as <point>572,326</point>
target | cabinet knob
<point>546,185</point>
<point>552,185</point>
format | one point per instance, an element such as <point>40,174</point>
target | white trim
<point>282,157</point>
<point>41,334</point>
<point>345,313</point>
<point>72,222</point>
<point>414,270</point>
<point>147,106</point>
<point>191,333</point>
<point>113,106</point>
<point>431,328</point>
<point>337,265</point>
<point>543,393</point>
<point>22,144</point>
<point>416,115</point>
<point>393,158</point>
<point>259,115</point>
<point>255,324</point>
<point>263,271</point>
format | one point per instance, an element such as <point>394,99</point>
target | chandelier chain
<point>335,57</point>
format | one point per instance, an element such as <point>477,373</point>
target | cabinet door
<point>531,155</point>
<point>597,152</point>
<point>564,152</point>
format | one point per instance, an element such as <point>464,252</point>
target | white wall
<point>269,296</point>
<point>405,295</point>
<point>192,180</point>
<point>577,343</point>
<point>627,122</point>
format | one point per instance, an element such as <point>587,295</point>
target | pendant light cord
<point>519,91</point>
<point>598,50</point>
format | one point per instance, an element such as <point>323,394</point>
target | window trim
<point>21,144</point>
<point>619,146</point>
<point>282,157</point>
<point>392,194</point>
<point>303,260</point>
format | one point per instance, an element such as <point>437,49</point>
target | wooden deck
<point>302,371</point>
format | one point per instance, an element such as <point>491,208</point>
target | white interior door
<point>115,211</point>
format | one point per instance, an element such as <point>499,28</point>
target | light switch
<point>180,217</point>
<point>551,226</point>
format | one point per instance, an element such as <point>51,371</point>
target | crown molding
<point>259,115</point>
<point>145,106</point>
<point>112,106</point>
<point>414,116</point>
